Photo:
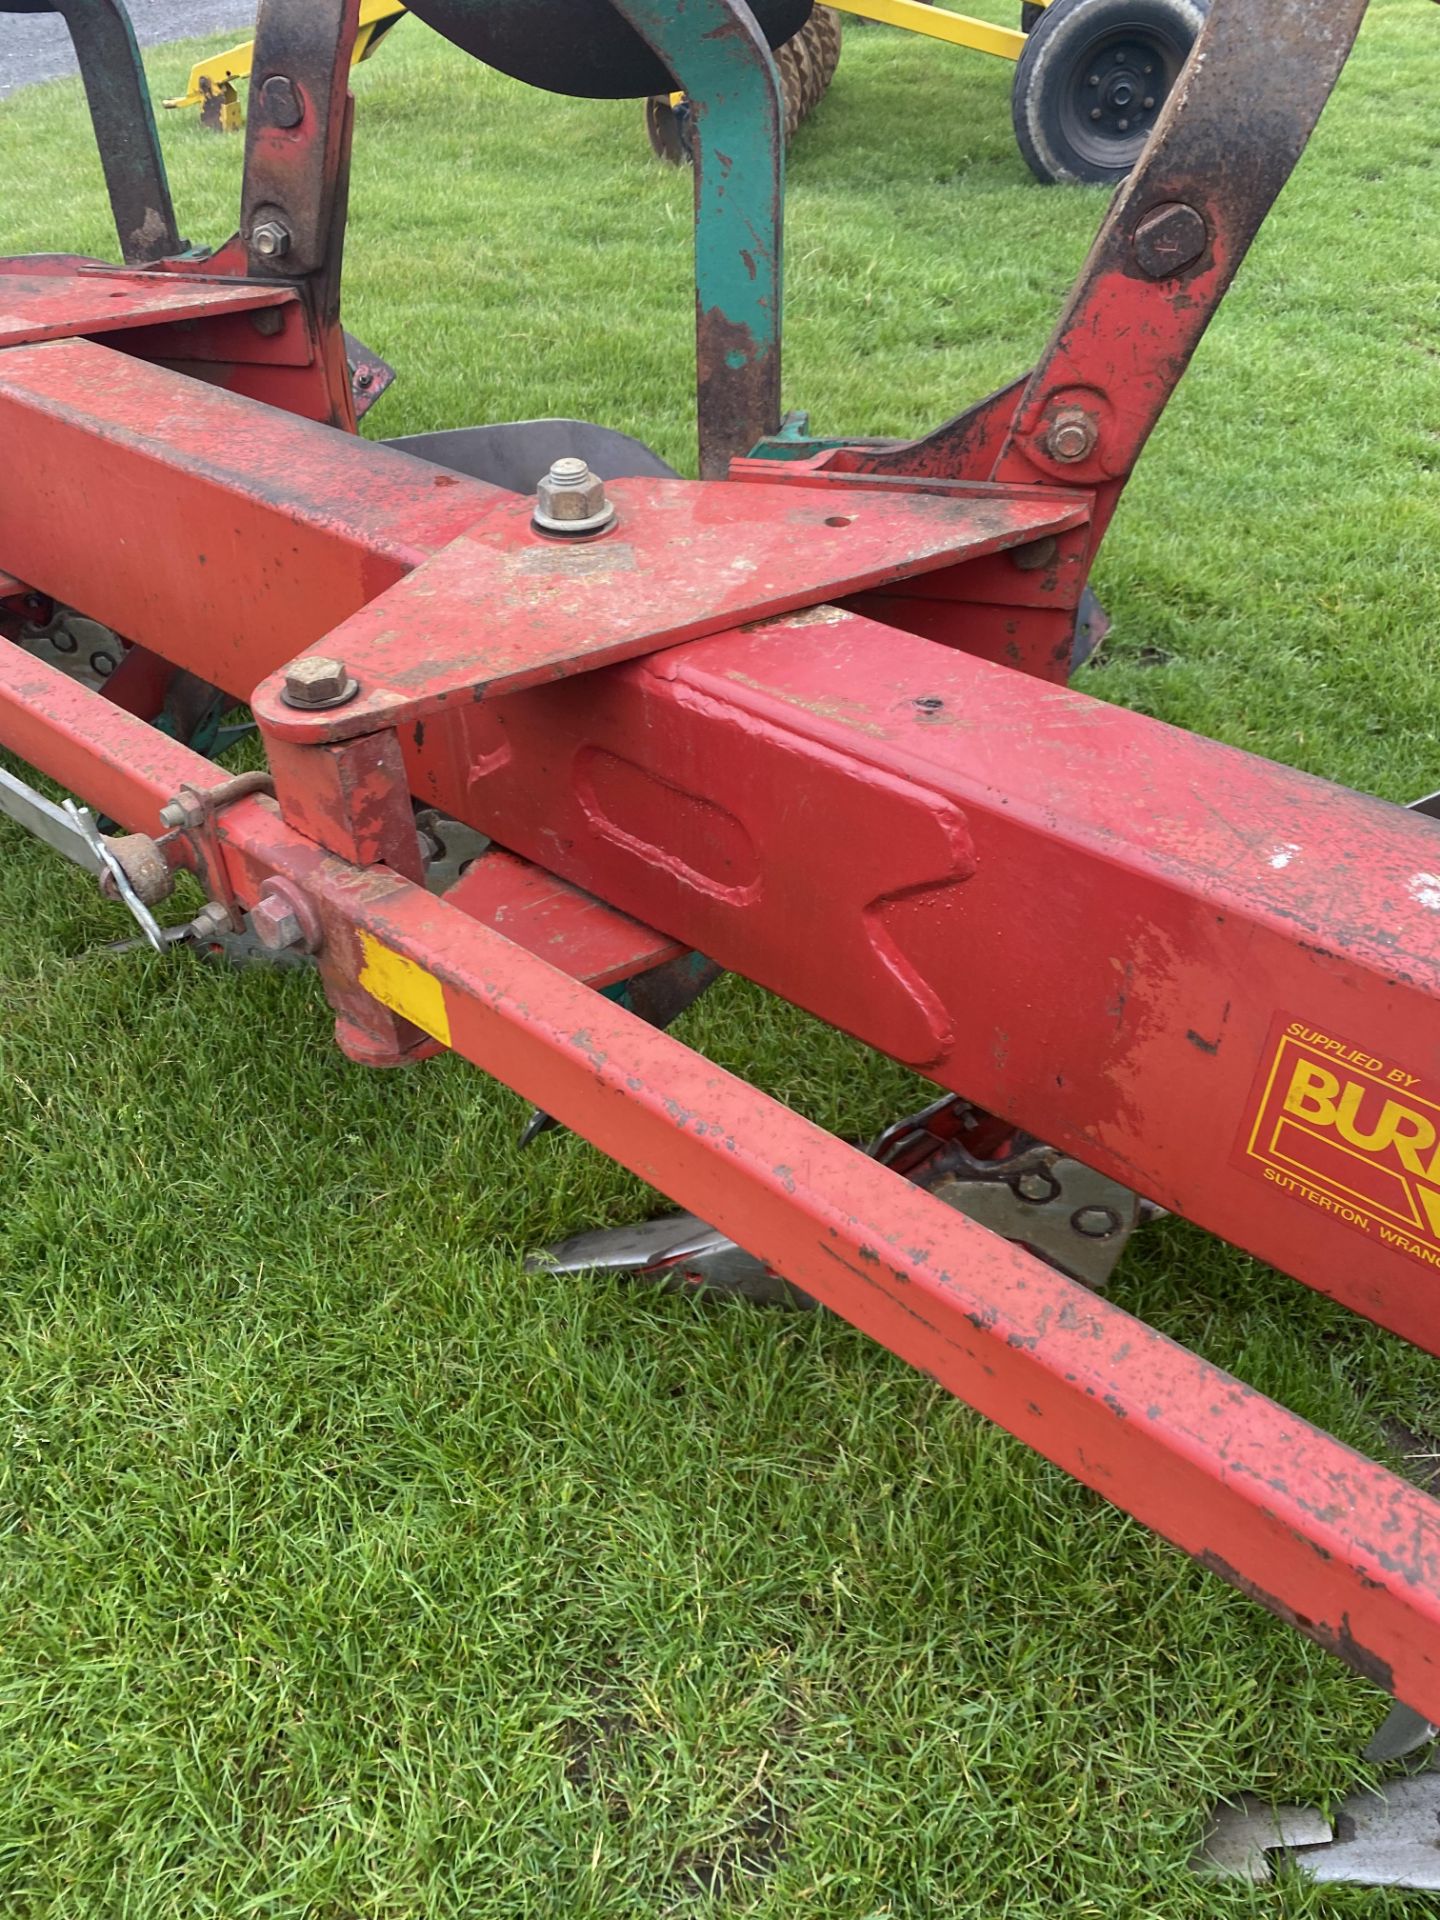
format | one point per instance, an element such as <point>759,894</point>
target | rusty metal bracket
<point>190,815</point>
<point>297,139</point>
<point>1227,141</point>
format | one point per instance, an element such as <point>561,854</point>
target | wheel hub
<point>1123,94</point>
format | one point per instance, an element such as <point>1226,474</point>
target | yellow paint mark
<point>405,987</point>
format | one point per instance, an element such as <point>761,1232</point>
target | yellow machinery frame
<point>212,81</point>
<point>211,86</point>
<point>914,16</point>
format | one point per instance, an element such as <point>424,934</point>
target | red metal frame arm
<point>297,133</point>
<point>1094,924</point>
<point>1178,230</point>
<point>296,188</point>
<point>275,527</point>
<point>1160,901</point>
<point>1333,1543</point>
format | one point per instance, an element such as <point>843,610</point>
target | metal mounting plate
<point>504,607</point>
<point>59,306</point>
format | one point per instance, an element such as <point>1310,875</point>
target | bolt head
<point>316,681</point>
<point>280,101</point>
<point>270,240</point>
<point>572,499</point>
<point>1072,436</point>
<point>275,925</point>
<point>1169,239</point>
<point>212,918</point>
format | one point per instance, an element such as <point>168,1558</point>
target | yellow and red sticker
<point>1352,1134</point>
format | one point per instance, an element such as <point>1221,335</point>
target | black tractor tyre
<point>1030,17</point>
<point>1092,79</point>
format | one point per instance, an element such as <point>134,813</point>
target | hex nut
<point>1072,436</point>
<point>571,499</point>
<point>276,926</point>
<point>316,681</point>
<point>1169,239</point>
<point>270,240</point>
<point>186,810</point>
<point>212,919</point>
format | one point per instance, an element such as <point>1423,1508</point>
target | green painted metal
<point>719,56</point>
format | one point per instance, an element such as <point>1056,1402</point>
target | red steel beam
<point>38,306</point>
<point>212,529</point>
<point>1149,912</point>
<point>120,765</point>
<point>128,769</point>
<point>684,558</point>
<point>1122,937</point>
<point>1333,1543</point>
<point>1338,1546</point>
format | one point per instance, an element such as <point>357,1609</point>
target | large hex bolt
<point>280,101</point>
<point>1169,239</point>
<point>1072,436</point>
<point>571,499</point>
<point>270,240</point>
<point>282,918</point>
<point>315,682</point>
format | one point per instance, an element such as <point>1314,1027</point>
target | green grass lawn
<point>348,1570</point>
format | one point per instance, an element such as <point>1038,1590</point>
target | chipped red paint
<point>351,798</point>
<point>1034,897</point>
<point>572,930</point>
<point>505,605</point>
<point>97,299</point>
<point>275,528</point>
<point>1094,925</point>
<point>1342,1548</point>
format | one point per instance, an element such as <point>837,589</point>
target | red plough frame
<point>810,721</point>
